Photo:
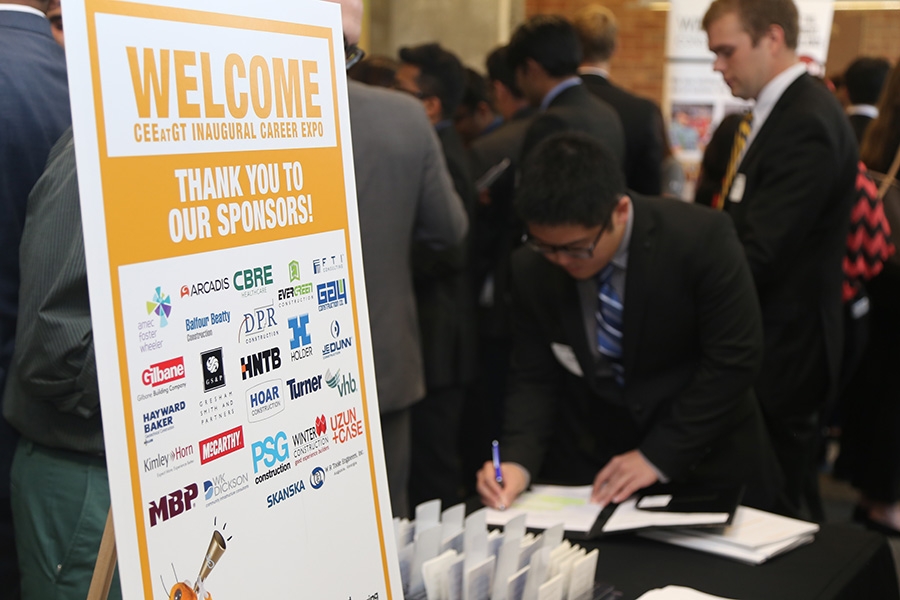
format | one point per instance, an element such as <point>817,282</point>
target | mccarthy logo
<point>205,287</point>
<point>164,372</point>
<point>258,324</point>
<point>161,306</point>
<point>213,372</point>
<point>264,401</point>
<point>260,362</point>
<point>221,445</point>
<point>173,504</point>
<point>331,294</point>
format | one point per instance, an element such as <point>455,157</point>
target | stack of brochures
<point>753,537</point>
<point>448,556</point>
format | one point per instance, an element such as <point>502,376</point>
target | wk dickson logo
<point>223,486</point>
<point>301,340</point>
<point>298,292</point>
<point>332,294</point>
<point>344,384</point>
<point>270,452</point>
<point>310,442</point>
<point>205,287</point>
<point>264,401</point>
<point>213,369</point>
<point>258,324</point>
<point>259,363</point>
<point>328,263</point>
<point>221,444</point>
<point>160,306</point>
<point>163,372</point>
<point>253,281</point>
<point>338,344</point>
<point>200,327</point>
<point>173,504</point>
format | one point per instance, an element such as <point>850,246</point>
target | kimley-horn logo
<point>221,445</point>
<point>163,372</point>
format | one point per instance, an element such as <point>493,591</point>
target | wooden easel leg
<point>106,563</point>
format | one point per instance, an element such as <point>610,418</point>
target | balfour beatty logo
<point>164,372</point>
<point>161,417</point>
<point>222,444</point>
<point>173,504</point>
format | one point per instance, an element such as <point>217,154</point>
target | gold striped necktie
<point>740,140</point>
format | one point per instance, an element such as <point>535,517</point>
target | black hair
<point>497,64</point>
<point>551,41</point>
<point>864,79</point>
<point>476,90</point>
<point>569,179</point>
<point>441,75</point>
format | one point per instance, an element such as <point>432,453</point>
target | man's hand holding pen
<point>498,496</point>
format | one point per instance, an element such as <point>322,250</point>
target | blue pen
<point>495,457</point>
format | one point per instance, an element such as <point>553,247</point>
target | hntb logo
<point>161,306</point>
<point>260,363</point>
<point>334,348</point>
<point>345,384</point>
<point>331,294</point>
<point>264,401</point>
<point>301,340</point>
<point>253,281</point>
<point>163,372</point>
<point>173,504</point>
<point>213,372</point>
<point>221,445</point>
<point>258,324</point>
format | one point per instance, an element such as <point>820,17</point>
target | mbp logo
<point>332,294</point>
<point>173,504</point>
<point>301,340</point>
<point>317,478</point>
<point>264,401</point>
<point>253,281</point>
<point>260,363</point>
<point>259,324</point>
<point>163,372</point>
<point>344,384</point>
<point>221,445</point>
<point>213,371</point>
<point>271,451</point>
<point>205,287</point>
<point>334,348</point>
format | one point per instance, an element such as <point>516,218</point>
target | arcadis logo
<point>253,281</point>
<point>301,340</point>
<point>332,294</point>
<point>205,287</point>
<point>173,504</point>
<point>221,444</point>
<point>334,348</point>
<point>264,400</point>
<point>160,306</point>
<point>163,372</point>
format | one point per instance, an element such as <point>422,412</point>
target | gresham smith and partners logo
<point>200,327</point>
<point>161,420</point>
<point>221,444</point>
<point>334,348</point>
<point>344,384</point>
<point>173,504</point>
<point>332,294</point>
<point>298,292</point>
<point>253,281</point>
<point>270,452</point>
<point>264,400</point>
<point>259,363</point>
<point>205,287</point>
<point>301,340</point>
<point>258,324</point>
<point>213,369</point>
<point>310,442</point>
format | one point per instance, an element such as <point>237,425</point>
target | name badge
<point>737,188</point>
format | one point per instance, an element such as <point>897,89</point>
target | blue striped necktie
<point>609,323</point>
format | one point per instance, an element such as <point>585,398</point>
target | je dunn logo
<point>161,306</point>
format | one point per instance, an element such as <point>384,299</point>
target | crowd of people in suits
<point>530,279</point>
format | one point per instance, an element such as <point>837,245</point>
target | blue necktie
<point>609,323</point>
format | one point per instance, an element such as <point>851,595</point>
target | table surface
<point>844,563</point>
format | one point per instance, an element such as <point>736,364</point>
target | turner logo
<point>345,384</point>
<point>332,294</point>
<point>205,287</point>
<point>173,504</point>
<point>213,373</point>
<point>285,493</point>
<point>264,401</point>
<point>304,387</point>
<point>334,348</point>
<point>301,340</point>
<point>260,363</point>
<point>221,445</point>
<point>164,372</point>
<point>253,281</point>
<point>258,324</point>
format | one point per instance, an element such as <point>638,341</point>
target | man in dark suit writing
<point>636,339</point>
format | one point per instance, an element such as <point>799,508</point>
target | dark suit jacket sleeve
<point>730,337</point>
<point>649,156</point>
<point>441,219</point>
<point>789,192</point>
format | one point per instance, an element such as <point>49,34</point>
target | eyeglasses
<point>568,250</point>
<point>353,54</point>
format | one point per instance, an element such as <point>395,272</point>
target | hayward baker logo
<point>345,426</point>
<point>205,287</point>
<point>301,340</point>
<point>163,372</point>
<point>173,460</point>
<point>264,401</point>
<point>310,442</point>
<point>213,369</point>
<point>332,294</point>
<point>173,504</point>
<point>200,327</point>
<point>221,444</point>
<point>270,451</point>
<point>328,263</point>
<point>251,282</point>
<point>224,486</point>
<point>260,363</point>
<point>161,420</point>
<point>258,324</point>
<point>298,292</point>
<point>344,384</point>
<point>335,347</point>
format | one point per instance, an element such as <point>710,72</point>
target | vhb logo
<point>260,363</point>
<point>257,321</point>
<point>345,386</point>
<point>173,504</point>
<point>270,451</point>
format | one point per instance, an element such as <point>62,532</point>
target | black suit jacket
<point>576,109</point>
<point>642,125</point>
<point>692,346</point>
<point>793,220</point>
<point>859,123</point>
